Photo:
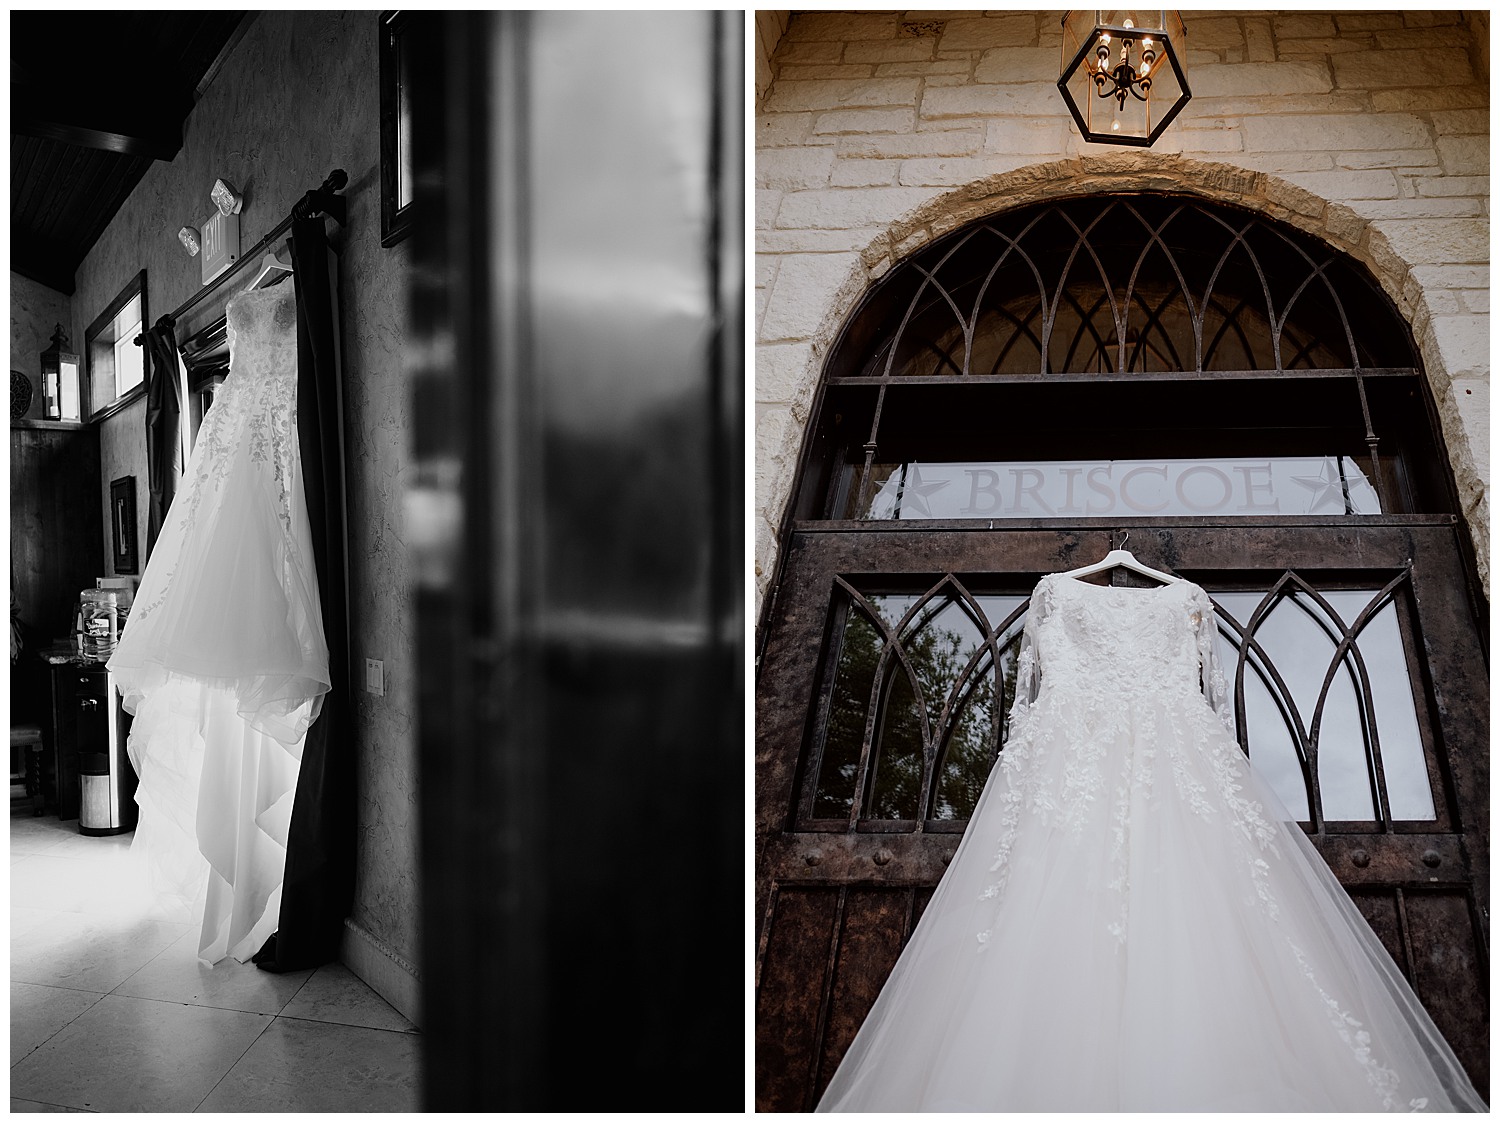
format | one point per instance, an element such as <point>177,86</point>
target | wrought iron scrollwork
<point>903,686</point>
<point>919,688</point>
<point>1126,284</point>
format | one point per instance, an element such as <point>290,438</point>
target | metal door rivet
<point>813,857</point>
<point>1360,858</point>
<point>1432,858</point>
<point>883,856</point>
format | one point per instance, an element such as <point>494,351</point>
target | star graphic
<point>1324,485</point>
<point>914,494</point>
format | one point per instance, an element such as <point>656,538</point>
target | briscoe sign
<point>1325,485</point>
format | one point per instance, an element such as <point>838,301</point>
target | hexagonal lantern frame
<point>1083,77</point>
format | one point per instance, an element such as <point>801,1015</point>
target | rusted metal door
<point>997,408</point>
<point>839,894</point>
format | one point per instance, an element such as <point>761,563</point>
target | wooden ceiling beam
<point>131,128</point>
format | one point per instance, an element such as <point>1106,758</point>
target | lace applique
<point>1352,1032</point>
<point>1100,667</point>
<point>254,409</point>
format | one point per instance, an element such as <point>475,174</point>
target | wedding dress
<point>223,661</point>
<point>1131,922</point>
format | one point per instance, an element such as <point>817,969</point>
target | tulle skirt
<point>1131,923</point>
<point>223,662</point>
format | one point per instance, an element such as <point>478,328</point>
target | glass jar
<point>99,609</point>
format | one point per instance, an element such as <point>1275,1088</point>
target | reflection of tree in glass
<point>970,752</point>
<point>938,653</point>
<point>846,717</point>
<point>938,644</point>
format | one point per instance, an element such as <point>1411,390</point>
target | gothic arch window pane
<point>1363,712</point>
<point>1121,284</point>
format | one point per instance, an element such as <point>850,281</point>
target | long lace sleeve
<point>1215,688</point>
<point>1028,662</point>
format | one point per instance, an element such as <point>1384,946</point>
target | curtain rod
<point>320,200</point>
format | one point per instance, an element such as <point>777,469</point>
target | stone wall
<point>884,130</point>
<point>769,28</point>
<point>299,97</point>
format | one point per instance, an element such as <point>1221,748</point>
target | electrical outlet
<point>375,676</point>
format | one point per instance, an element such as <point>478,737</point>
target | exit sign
<point>221,244</point>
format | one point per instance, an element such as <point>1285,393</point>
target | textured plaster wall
<point>883,130</point>
<point>35,310</point>
<point>298,98</point>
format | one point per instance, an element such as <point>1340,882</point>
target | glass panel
<point>1250,486</point>
<point>71,405</point>
<point>130,364</point>
<point>1402,757</point>
<point>939,643</point>
<point>846,718</point>
<point>898,761</point>
<point>128,319</point>
<point>405,188</point>
<point>1273,752</point>
<point>971,746</point>
<point>1296,640</point>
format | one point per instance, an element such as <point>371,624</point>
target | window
<point>115,364</point>
<point>205,357</point>
<point>130,360</point>
<point>199,401</point>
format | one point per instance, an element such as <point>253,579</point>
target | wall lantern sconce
<point>60,368</point>
<point>1122,73</point>
<point>188,236</point>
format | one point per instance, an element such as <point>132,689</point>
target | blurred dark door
<point>577,517</point>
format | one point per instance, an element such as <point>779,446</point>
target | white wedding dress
<point>1131,922</point>
<point>223,661</point>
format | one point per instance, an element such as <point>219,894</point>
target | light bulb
<point>1145,69</point>
<point>1130,23</point>
<point>1115,127</point>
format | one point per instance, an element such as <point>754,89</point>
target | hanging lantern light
<point>1122,73</point>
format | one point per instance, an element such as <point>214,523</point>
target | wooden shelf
<point>43,423</point>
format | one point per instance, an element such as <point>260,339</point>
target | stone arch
<point>779,440</point>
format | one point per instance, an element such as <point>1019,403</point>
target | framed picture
<point>122,520</point>
<point>396,184</point>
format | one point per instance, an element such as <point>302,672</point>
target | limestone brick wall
<point>769,28</point>
<point>883,130</point>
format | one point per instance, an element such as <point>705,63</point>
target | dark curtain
<point>319,886</point>
<point>163,424</point>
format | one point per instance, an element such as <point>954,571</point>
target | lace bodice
<point>1114,641</point>
<point>255,408</point>
<point>249,434</point>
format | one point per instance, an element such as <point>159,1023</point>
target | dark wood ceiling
<point>95,97</point>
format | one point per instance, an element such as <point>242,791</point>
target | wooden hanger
<point>1122,558</point>
<point>272,269</point>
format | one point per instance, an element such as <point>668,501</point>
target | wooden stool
<point>28,738</point>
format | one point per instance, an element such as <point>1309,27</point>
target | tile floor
<point>111,1011</point>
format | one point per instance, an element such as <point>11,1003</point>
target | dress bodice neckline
<point>1127,588</point>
